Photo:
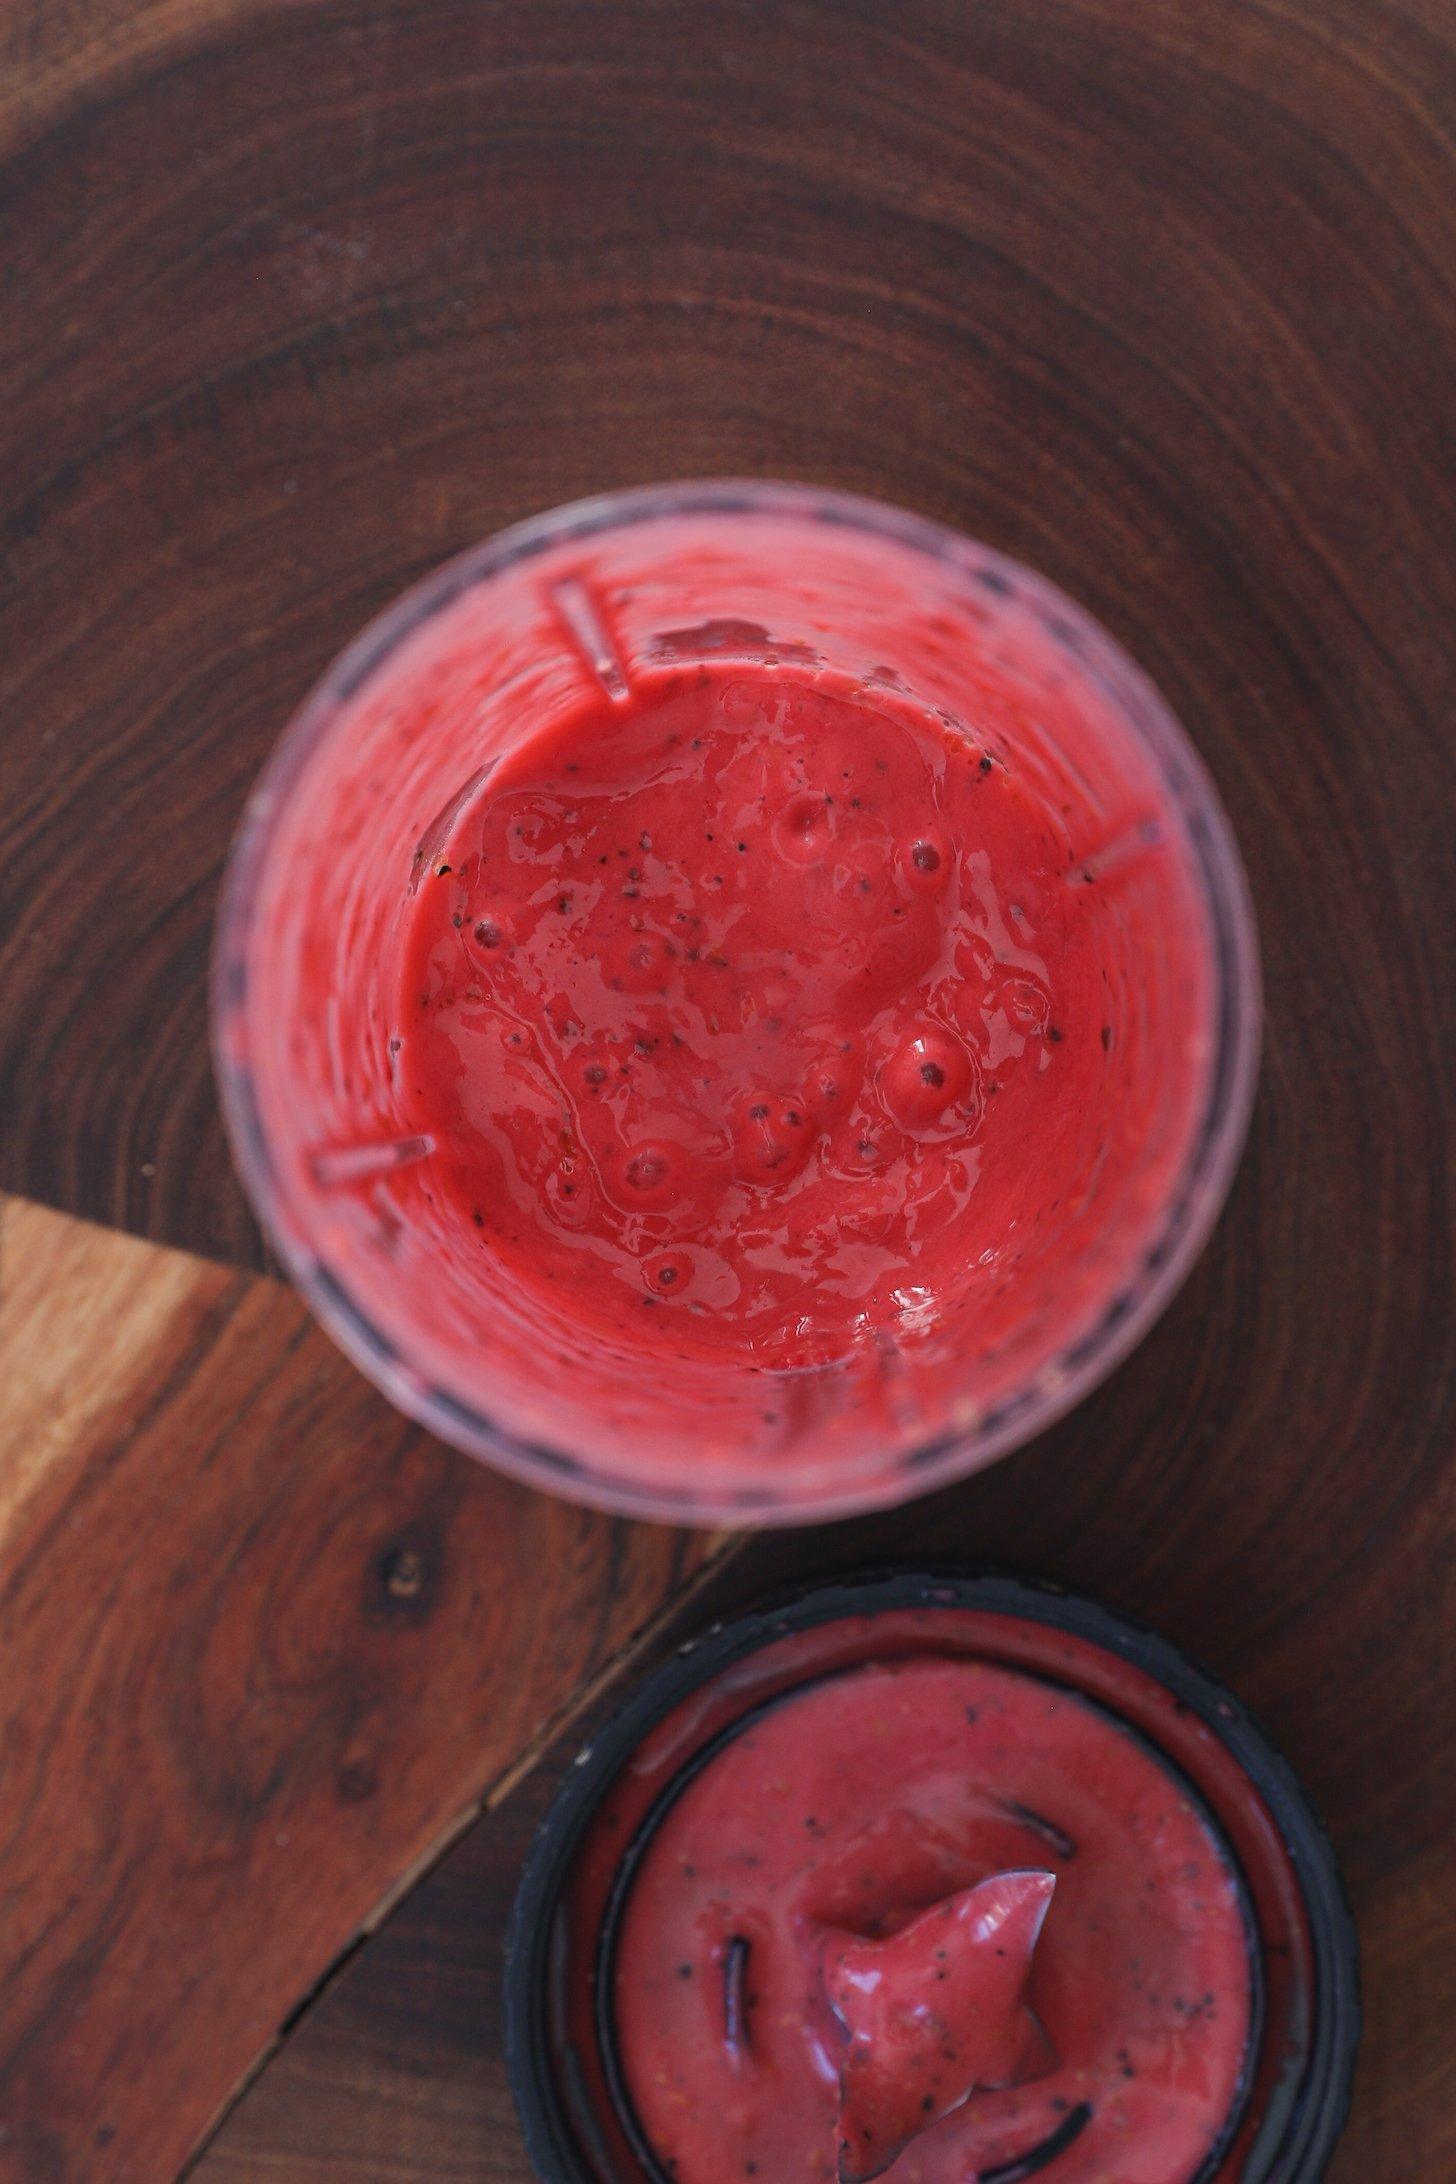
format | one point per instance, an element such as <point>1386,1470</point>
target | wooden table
<point>299,297</point>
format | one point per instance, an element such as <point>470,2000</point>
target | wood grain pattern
<point>399,2073</point>
<point>1161,298</point>
<point>265,1646</point>
<point>304,298</point>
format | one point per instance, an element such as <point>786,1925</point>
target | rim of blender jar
<point>1062,1379</point>
<point>1310,2107</point>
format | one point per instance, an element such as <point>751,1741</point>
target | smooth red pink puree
<point>940,1920</point>
<point>755,1014</point>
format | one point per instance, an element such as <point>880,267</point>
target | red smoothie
<point>930,1918</point>
<point>760,1015</point>
<point>931,2013</point>
<point>726,1003</point>
<point>944,1877</point>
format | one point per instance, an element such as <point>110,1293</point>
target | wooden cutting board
<point>300,296</point>
<point>266,1649</point>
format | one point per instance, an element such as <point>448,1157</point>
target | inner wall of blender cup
<point>398,750</point>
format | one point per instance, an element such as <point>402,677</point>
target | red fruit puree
<point>935,2012</point>
<point>757,1015</point>
<point>730,1000</point>
<point>940,1920</point>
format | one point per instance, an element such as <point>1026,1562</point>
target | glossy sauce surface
<point>855,1806</point>
<point>756,1014</point>
<point>930,2013</point>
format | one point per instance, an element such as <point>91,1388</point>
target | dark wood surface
<point>300,298</point>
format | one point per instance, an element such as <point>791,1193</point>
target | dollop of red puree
<point>941,1921</point>
<point>933,2013</point>
<point>755,1015</point>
